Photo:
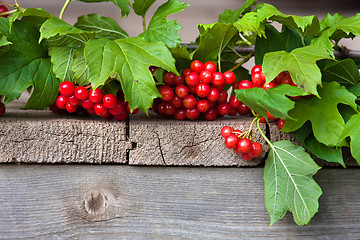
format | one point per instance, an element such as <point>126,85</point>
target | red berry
<point>121,117</point>
<point>192,79</point>
<point>81,93</point>
<point>262,120</point>
<point>269,85</point>
<point>203,105</point>
<point>211,114</point>
<point>202,90</point>
<point>226,131</point>
<point>169,78</point>
<point>223,109</point>
<point>86,104</point>
<point>246,157</point>
<point>190,102</point>
<point>135,111</point>
<point>96,95</point>
<point>223,96</point>
<point>73,100</point>
<point>61,101</point>
<point>118,108</point>
<point>243,109</point>
<point>229,77</point>
<point>192,89</point>
<point>196,66</point>
<point>192,114</point>
<point>233,112</point>
<point>258,79</point>
<point>100,109</point>
<point>256,150</point>
<point>181,91</point>
<point>177,102</point>
<point>218,79</point>
<point>244,145</point>
<point>67,88</point>
<point>70,108</point>
<point>213,95</point>
<point>186,72</point>
<point>210,66</point>
<point>281,123</point>
<point>180,114</point>
<point>205,76</point>
<point>2,109</point>
<point>270,117</point>
<point>245,84</point>
<point>3,9</point>
<point>231,141</point>
<point>169,109</point>
<point>234,102</point>
<point>256,69</point>
<point>179,80</point>
<point>109,100</point>
<point>167,94</point>
<point>161,108</point>
<point>237,151</point>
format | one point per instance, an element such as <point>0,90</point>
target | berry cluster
<point>240,143</point>
<point>94,101</point>
<point>199,91</point>
<point>2,108</point>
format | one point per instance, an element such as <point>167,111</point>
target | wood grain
<point>48,202</point>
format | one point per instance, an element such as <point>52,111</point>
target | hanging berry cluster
<point>198,92</point>
<point>94,101</point>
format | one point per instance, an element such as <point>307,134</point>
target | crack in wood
<point>160,148</point>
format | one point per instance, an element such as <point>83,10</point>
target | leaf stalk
<point>66,4</point>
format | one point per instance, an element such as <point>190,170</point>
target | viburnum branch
<point>7,4</point>
<point>9,12</point>
<point>64,8</point>
<point>245,59</point>
<point>245,40</point>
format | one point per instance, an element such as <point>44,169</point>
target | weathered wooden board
<point>44,137</point>
<point>127,202</point>
<point>186,143</point>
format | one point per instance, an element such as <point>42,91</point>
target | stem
<point>18,6</point>
<point>219,62</point>
<point>242,62</point>
<point>263,135</point>
<point>6,3</point>
<point>245,40</point>
<point>9,12</point>
<point>144,23</point>
<point>64,8</point>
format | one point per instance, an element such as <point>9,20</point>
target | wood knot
<point>96,202</point>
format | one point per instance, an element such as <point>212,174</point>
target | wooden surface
<point>125,202</point>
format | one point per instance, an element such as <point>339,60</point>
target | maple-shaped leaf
<point>103,27</point>
<point>62,59</point>
<point>79,68</point>
<point>326,120</point>
<point>122,4</point>
<point>330,20</point>
<point>59,33</point>
<point>231,16</point>
<point>27,64</point>
<point>130,59</point>
<point>249,24</point>
<point>344,71</point>
<point>273,100</point>
<point>289,183</point>
<point>162,29</point>
<point>213,39</point>
<point>301,63</point>
<point>142,6</point>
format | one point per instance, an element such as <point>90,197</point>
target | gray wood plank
<point>44,137</point>
<point>170,142</point>
<point>126,202</point>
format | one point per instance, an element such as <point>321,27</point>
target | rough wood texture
<point>40,136</point>
<point>52,202</point>
<point>276,135</point>
<point>186,143</point>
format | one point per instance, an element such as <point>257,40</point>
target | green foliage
<point>103,27</point>
<point>322,110</point>
<point>301,63</point>
<point>79,68</point>
<point>344,72</point>
<point>230,16</point>
<point>352,131</point>
<point>130,59</point>
<point>162,29</point>
<point>142,6</point>
<point>62,59</point>
<point>122,4</point>
<point>288,183</point>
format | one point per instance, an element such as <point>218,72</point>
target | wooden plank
<point>186,143</point>
<point>43,137</point>
<point>125,202</point>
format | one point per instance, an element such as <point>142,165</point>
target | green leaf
<point>4,41</point>
<point>27,64</point>
<point>249,24</point>
<point>142,6</point>
<point>162,29</point>
<point>213,40</point>
<point>62,59</point>
<point>273,100</point>
<point>112,87</point>
<point>122,4</point>
<point>330,21</point>
<point>301,63</point>
<point>327,122</point>
<point>182,56</point>
<point>287,40</point>
<point>352,130</point>
<point>79,68</point>
<point>63,34</point>
<point>4,26</point>
<point>103,27</point>
<point>289,183</point>
<point>344,72</point>
<point>130,58</point>
<point>355,89</point>
<point>229,16</point>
